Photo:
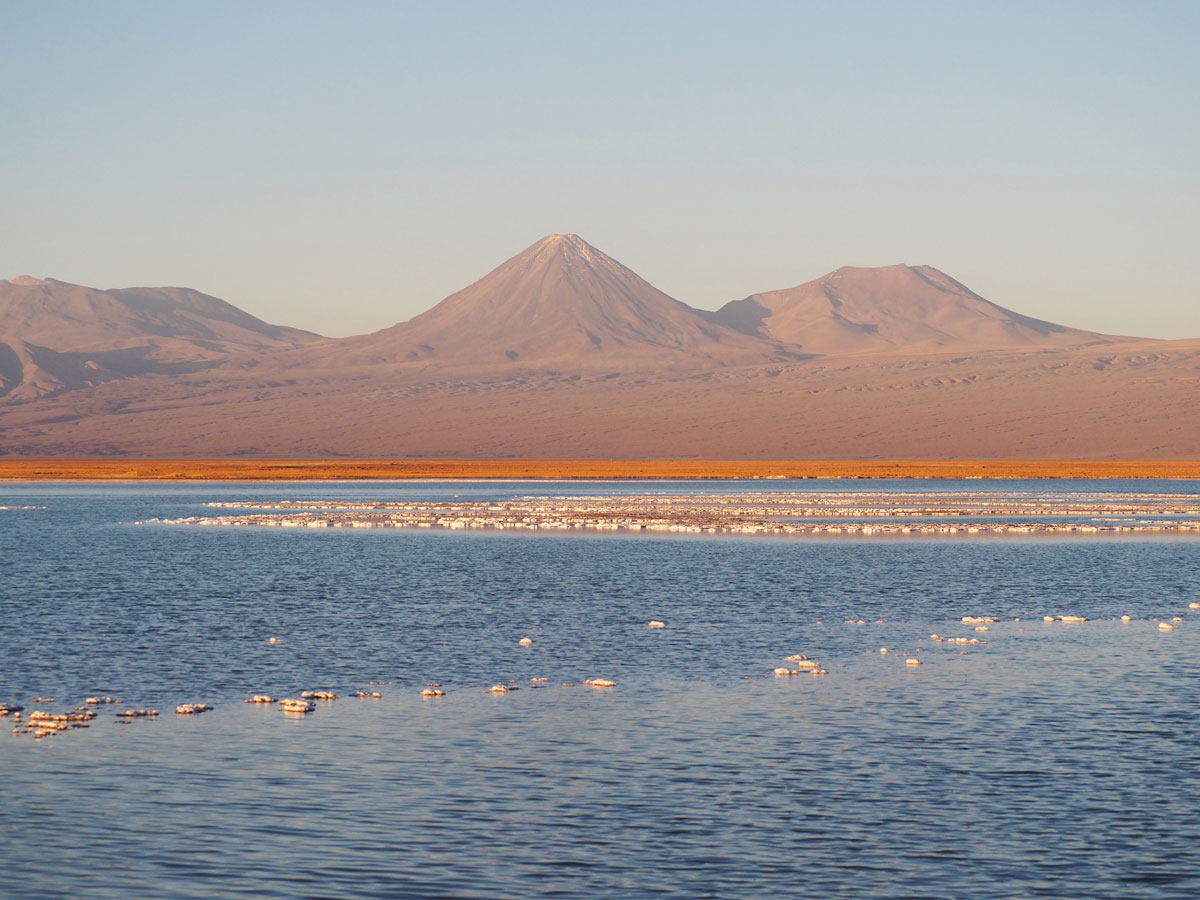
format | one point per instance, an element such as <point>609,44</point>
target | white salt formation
<point>44,724</point>
<point>525,641</point>
<point>849,513</point>
<point>41,723</point>
<point>294,705</point>
<point>654,623</point>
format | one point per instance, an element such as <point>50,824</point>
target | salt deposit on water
<point>692,769</point>
<point>753,514</point>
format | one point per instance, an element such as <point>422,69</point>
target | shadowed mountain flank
<point>892,308</point>
<point>56,336</point>
<point>560,304</point>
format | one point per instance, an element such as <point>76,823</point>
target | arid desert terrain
<point>563,353</point>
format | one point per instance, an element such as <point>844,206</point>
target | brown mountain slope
<point>562,352</point>
<point>560,304</point>
<point>1133,401</point>
<point>914,309</point>
<point>56,336</point>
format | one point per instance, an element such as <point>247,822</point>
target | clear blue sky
<point>344,166</point>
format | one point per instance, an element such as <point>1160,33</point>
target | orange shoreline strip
<point>337,470</point>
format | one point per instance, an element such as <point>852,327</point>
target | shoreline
<point>582,470</point>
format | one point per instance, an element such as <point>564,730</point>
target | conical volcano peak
<point>565,242</point>
<point>565,246</point>
<point>568,256</point>
<point>553,240</point>
<point>561,302</point>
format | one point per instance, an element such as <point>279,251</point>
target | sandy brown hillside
<point>56,336</point>
<point>912,309</point>
<point>1133,401</point>
<point>561,352</point>
<point>559,304</point>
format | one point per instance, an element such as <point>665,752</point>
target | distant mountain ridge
<point>56,336</point>
<point>561,305</point>
<point>562,352</point>
<point>892,308</point>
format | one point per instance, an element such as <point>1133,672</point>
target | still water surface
<point>1054,761</point>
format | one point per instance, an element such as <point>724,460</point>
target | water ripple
<point>1055,761</point>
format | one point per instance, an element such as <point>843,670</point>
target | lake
<point>1047,759</point>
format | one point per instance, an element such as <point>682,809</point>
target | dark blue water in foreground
<point>1053,761</point>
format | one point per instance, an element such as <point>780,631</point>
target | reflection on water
<point>1054,760</point>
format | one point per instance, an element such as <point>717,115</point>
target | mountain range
<point>562,351</point>
<point>560,304</point>
<point>56,337</point>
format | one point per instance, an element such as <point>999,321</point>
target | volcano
<point>559,304</point>
<point>912,309</point>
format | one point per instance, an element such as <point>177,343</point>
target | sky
<point>341,167</point>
